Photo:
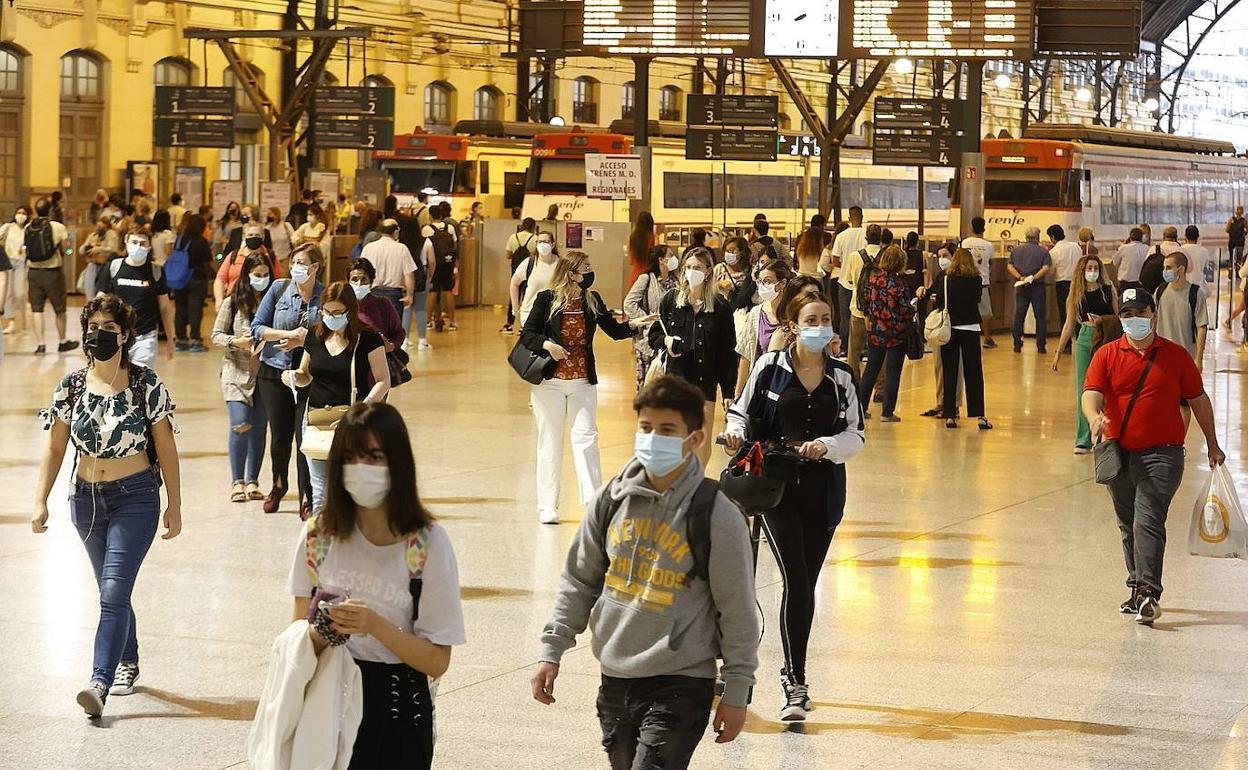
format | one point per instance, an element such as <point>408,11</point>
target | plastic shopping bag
<point>1218,525</point>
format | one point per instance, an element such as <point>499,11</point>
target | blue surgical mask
<point>1137,328</point>
<point>259,282</point>
<point>361,290</point>
<point>659,454</point>
<point>335,323</point>
<point>1168,276</point>
<point>300,273</point>
<point>815,338</point>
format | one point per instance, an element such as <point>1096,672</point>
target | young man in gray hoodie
<point>664,603</point>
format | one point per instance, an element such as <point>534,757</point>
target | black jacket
<point>542,326</point>
<point>708,347</point>
<point>963,300</point>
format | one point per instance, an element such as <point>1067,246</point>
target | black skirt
<point>397,728</point>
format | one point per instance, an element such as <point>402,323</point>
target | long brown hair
<point>642,238</point>
<point>962,263</point>
<point>1079,284</point>
<point>245,298</point>
<point>341,291</point>
<point>404,511</point>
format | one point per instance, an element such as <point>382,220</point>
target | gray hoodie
<point>626,579</point>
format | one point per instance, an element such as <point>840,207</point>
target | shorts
<point>5,263</point>
<point>444,278</point>
<point>985,302</point>
<point>46,284</point>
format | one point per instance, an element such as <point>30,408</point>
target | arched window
<point>247,161</point>
<point>11,103</point>
<point>171,71</point>
<point>628,94</point>
<point>377,81</point>
<point>82,122</point>
<point>585,100</point>
<point>438,110</point>
<point>487,104</point>
<point>671,103</point>
<point>783,121</point>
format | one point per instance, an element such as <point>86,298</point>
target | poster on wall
<point>276,195</point>
<point>189,182</point>
<point>224,191</point>
<point>573,235</point>
<point>143,175</point>
<point>325,180</point>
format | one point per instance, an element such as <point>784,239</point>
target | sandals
<point>951,423</point>
<point>253,492</point>
<point>984,424</point>
<point>238,494</point>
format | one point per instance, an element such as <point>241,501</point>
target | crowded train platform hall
<point>630,384</point>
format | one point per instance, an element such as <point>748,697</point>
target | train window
<point>466,177</point>
<point>1000,193</point>
<point>561,173</point>
<point>937,196</point>
<point>483,182</point>
<point>412,180</point>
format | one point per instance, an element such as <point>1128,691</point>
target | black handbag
<point>397,361</point>
<point>529,365</point>
<point>915,347</point>
<point>746,483</point>
<point>1107,454</point>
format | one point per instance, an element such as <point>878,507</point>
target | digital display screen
<point>688,27</point>
<point>949,29</point>
<point>801,28</point>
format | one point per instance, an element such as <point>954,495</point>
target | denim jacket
<point>283,308</point>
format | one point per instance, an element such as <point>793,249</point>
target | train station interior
<point>969,610</point>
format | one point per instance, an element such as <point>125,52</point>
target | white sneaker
<point>407,345</point>
<point>548,516</point>
<point>424,345</point>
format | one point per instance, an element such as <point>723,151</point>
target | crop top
<point>111,427</point>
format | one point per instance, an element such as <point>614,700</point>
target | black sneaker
<point>797,704</point>
<point>197,347</point>
<point>1148,612</point>
<point>42,350</point>
<point>1131,605</point>
<point>181,345</point>
<point>66,346</point>
<point>92,698</point>
<point>124,679</point>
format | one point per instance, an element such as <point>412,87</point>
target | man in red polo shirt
<point>1152,445</point>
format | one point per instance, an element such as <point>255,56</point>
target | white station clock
<point>801,28</point>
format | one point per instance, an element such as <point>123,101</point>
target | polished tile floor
<point>967,613</point>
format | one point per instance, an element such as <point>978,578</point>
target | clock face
<point>801,28</point>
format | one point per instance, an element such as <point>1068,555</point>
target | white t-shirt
<point>378,576</point>
<point>982,251</point>
<point>1197,258</point>
<point>1130,259</point>
<point>392,260</point>
<point>538,281</point>
<point>847,242</point>
<point>1169,247</point>
<point>14,242</point>
<point>1065,255</point>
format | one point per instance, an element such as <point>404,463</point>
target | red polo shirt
<point>1156,420</point>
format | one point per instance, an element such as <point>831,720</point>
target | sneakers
<point>424,345</point>
<point>1148,611</point>
<point>42,350</point>
<point>1132,605</point>
<point>990,343</point>
<point>797,705</point>
<point>890,418</point>
<point>181,346</point>
<point>197,347</point>
<point>92,698</point>
<point>1083,450</point>
<point>66,346</point>
<point>548,516</point>
<point>124,679</point>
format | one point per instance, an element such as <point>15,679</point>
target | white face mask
<point>730,257</point>
<point>368,485</point>
<point>545,249</point>
<point>136,254</point>
<point>694,277</point>
<point>673,263</point>
<point>19,218</point>
<point>767,292</point>
<point>944,263</point>
<point>1091,276</point>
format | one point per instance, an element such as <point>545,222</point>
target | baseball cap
<point>1136,299</point>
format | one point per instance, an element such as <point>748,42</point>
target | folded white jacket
<point>310,708</point>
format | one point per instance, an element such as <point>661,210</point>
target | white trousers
<point>556,403</point>
<point>143,350</point>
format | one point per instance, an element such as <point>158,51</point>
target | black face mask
<point>587,280</point>
<point>254,242</point>
<point>245,218</point>
<point>101,344</point>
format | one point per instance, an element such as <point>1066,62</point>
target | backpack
<point>864,275</point>
<point>114,267</point>
<point>522,251</point>
<point>445,250</point>
<point>1150,271</point>
<point>40,247</point>
<point>78,386</point>
<point>178,266</point>
<point>1237,230</point>
<point>317,548</point>
<point>1193,295</point>
<point>697,524</point>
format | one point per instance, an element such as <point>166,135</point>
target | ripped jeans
<point>248,425</point>
<point>653,723</point>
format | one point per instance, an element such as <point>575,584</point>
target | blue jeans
<point>248,426</point>
<point>419,304</point>
<point>316,480</point>
<point>890,360</point>
<point>1033,295</point>
<point>117,522</point>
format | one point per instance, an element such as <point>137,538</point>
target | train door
<point>513,190</point>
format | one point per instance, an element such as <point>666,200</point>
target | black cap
<point>1136,299</point>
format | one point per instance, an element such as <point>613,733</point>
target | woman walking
<point>281,235</point>
<point>13,283</point>
<point>344,362</point>
<point>188,302</point>
<point>640,242</point>
<point>232,269</point>
<point>801,403</point>
<point>1091,298</point>
<point>375,312</point>
<point>120,418</point>
<point>162,237</point>
<point>733,271</point>
<point>226,225</point>
<point>889,317</point>
<point>562,324</point>
<point>248,419</point>
<point>958,293</point>
<point>755,333</point>
<point>374,541</point>
<point>289,309</point>
<point>643,302</point>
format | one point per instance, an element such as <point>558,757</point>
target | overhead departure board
<point>948,29</point>
<point>667,27</point>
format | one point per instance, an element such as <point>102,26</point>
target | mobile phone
<point>326,595</point>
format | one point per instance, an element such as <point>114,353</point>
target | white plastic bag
<point>1218,525</point>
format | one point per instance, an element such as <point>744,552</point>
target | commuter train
<point>1110,180</point>
<point>532,166</point>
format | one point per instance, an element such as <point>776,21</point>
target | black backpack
<point>1193,294</point>
<point>864,275</point>
<point>1150,272</point>
<point>1237,231</point>
<point>444,246</point>
<point>697,524</point>
<point>40,246</point>
<point>522,251</point>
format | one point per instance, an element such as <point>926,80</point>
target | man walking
<point>1182,315</point>
<point>1129,259</point>
<point>846,242</point>
<point>1236,231</point>
<point>1131,394</point>
<point>141,283</point>
<point>1029,264</point>
<point>45,242</point>
<point>1065,255</point>
<point>1197,256</point>
<point>396,269</point>
<point>854,262</point>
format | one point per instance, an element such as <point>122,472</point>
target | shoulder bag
<point>1107,454</point>
<point>658,364</point>
<point>529,365</point>
<point>318,436</point>
<point>937,329</point>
